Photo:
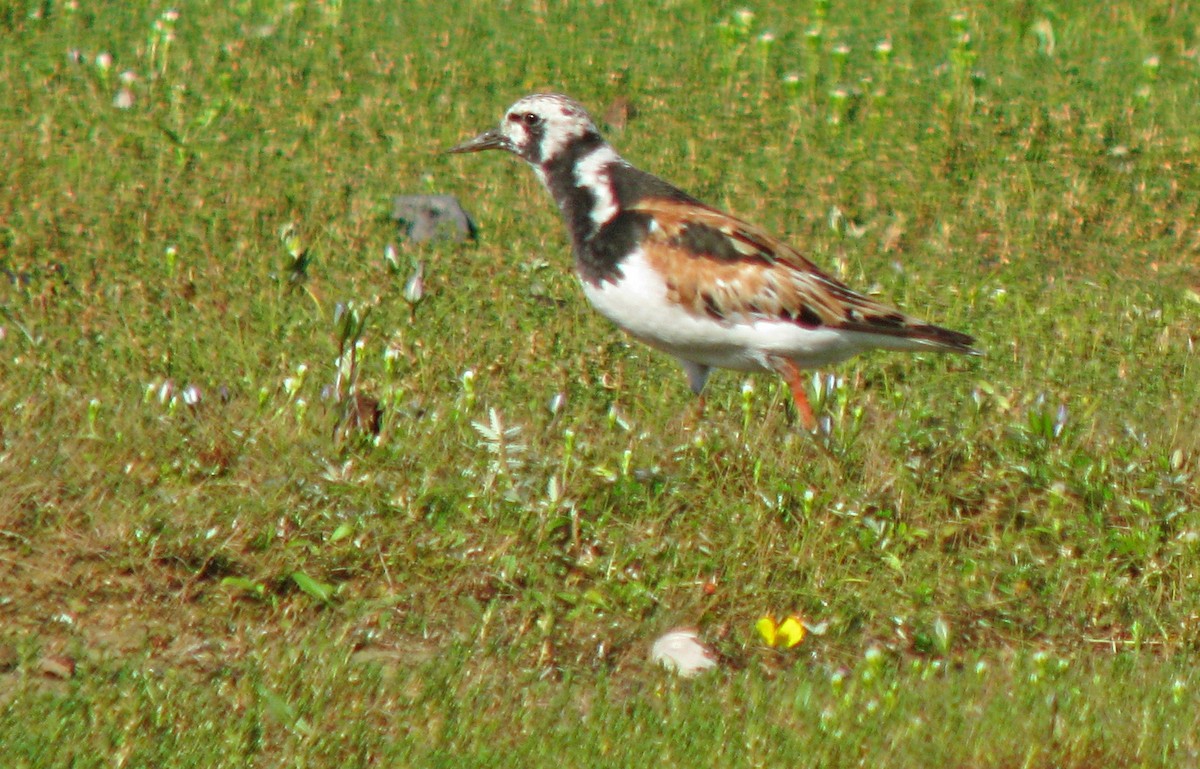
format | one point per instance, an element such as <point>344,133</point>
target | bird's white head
<point>539,128</point>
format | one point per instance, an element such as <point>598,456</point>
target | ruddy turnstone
<point>688,279</point>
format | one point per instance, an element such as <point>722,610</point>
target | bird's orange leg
<point>791,375</point>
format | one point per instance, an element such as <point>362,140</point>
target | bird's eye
<point>530,119</point>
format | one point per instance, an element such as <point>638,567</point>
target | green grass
<point>1001,552</point>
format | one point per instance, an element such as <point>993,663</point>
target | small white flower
<point>123,99</point>
<point>104,61</point>
<point>414,289</point>
<point>680,651</point>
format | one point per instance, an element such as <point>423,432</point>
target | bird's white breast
<point>638,302</point>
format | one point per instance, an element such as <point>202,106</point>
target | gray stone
<point>432,217</point>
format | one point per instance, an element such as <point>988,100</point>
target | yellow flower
<point>785,634</point>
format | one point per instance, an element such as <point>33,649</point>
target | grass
<point>204,562</point>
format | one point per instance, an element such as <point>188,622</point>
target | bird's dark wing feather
<point>722,267</point>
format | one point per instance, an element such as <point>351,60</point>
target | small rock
<point>9,659</point>
<point>56,666</point>
<point>361,414</point>
<point>432,217</point>
<point>617,114</point>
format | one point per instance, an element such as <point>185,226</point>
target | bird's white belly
<point>638,303</point>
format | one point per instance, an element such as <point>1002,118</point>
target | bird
<point>686,278</point>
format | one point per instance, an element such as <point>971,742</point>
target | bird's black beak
<point>488,140</point>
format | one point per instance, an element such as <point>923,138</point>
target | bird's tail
<point>916,337</point>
